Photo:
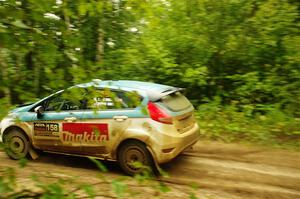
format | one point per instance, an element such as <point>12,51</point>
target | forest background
<point>239,60</point>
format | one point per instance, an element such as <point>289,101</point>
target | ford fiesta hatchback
<point>124,121</point>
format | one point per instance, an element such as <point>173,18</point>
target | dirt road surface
<point>212,170</point>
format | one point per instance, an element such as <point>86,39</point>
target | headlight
<point>4,123</point>
<point>11,115</point>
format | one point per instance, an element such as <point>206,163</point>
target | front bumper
<point>167,147</point>
<point>4,123</point>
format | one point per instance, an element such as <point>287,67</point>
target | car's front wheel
<point>134,158</point>
<point>16,144</point>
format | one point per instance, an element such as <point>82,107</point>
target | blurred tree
<point>240,50</point>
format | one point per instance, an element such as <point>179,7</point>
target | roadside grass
<point>233,124</point>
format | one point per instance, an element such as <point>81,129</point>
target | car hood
<point>21,109</point>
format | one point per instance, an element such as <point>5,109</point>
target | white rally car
<point>124,121</point>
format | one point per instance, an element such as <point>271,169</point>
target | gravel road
<point>211,170</point>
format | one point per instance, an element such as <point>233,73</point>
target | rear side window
<point>111,99</point>
<point>176,102</point>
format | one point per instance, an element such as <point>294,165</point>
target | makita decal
<point>84,132</point>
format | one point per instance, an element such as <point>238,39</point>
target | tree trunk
<point>5,76</point>
<point>100,45</point>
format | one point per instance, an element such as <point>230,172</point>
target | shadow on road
<point>76,162</point>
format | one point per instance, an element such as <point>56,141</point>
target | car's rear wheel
<point>16,144</point>
<point>134,158</point>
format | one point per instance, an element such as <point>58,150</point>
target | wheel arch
<point>8,129</point>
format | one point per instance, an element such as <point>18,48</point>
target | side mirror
<point>39,111</point>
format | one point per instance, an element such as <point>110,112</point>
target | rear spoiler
<point>155,96</point>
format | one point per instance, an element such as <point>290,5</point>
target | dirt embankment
<point>215,170</point>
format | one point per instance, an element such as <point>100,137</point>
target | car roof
<point>154,91</point>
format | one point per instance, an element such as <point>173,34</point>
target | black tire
<point>16,144</point>
<point>134,151</point>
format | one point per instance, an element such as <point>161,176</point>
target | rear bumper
<point>167,147</point>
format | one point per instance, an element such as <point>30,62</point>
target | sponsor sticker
<point>46,129</point>
<point>84,132</point>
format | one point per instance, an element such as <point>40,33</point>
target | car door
<point>52,129</point>
<point>107,117</point>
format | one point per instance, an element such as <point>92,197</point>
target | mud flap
<point>157,169</point>
<point>33,154</point>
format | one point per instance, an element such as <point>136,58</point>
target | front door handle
<point>120,118</point>
<point>70,119</point>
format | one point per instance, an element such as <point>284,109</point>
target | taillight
<point>158,114</point>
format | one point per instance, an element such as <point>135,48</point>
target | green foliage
<point>7,181</point>
<point>5,107</point>
<point>89,190</point>
<point>119,188</point>
<point>100,166</point>
<point>53,190</point>
<point>52,186</point>
<point>264,124</point>
<point>246,53</point>
<point>23,162</point>
<point>239,61</point>
<point>162,187</point>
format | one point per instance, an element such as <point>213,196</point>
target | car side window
<point>108,99</point>
<point>59,103</point>
<point>54,103</point>
<point>129,99</point>
<point>68,100</point>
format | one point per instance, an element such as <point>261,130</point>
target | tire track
<point>219,170</point>
<point>239,171</point>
